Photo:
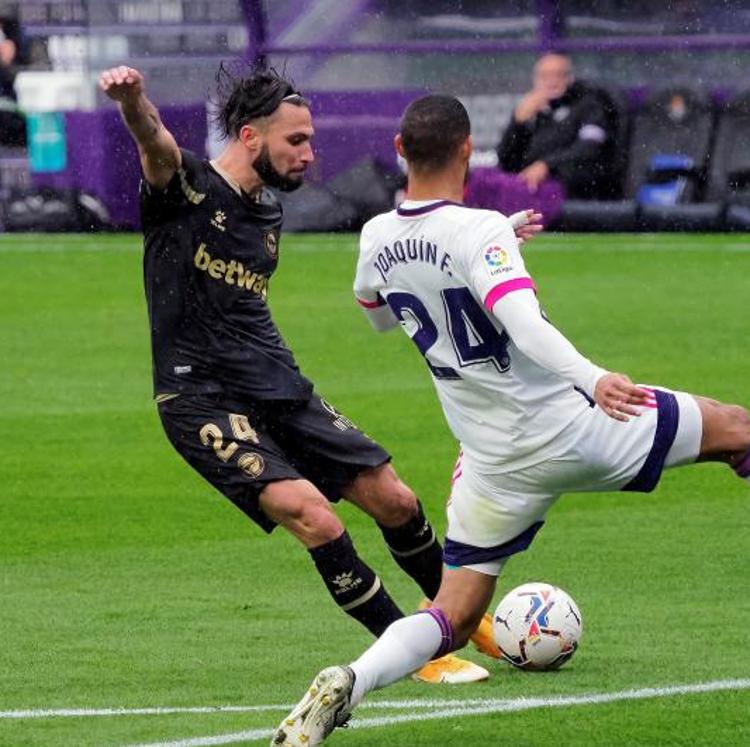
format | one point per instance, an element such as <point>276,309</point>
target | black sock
<point>417,551</point>
<point>354,585</point>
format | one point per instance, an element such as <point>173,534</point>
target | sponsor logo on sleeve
<point>497,260</point>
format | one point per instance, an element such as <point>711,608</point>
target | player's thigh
<point>325,446</point>
<point>228,445</point>
<point>604,454</point>
<point>726,428</point>
<point>492,517</point>
<point>464,597</point>
<point>487,524</point>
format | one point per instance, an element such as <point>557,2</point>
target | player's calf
<point>354,586</point>
<point>407,532</point>
<point>299,507</point>
<point>463,598</point>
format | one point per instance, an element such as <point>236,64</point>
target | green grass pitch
<point>125,582</point>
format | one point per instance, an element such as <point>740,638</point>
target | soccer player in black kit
<point>231,398</point>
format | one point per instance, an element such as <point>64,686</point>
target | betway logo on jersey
<point>232,272</point>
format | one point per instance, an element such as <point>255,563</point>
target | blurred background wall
<point>360,61</point>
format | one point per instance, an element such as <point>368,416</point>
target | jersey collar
<point>410,208</point>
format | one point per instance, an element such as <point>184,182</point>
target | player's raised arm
<point>160,156</point>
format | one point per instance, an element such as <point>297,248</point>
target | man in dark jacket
<point>562,129</point>
<point>12,123</point>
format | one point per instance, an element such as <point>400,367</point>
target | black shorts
<point>240,447</point>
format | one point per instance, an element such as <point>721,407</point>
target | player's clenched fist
<point>121,83</point>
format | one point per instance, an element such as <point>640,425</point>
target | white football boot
<point>324,707</point>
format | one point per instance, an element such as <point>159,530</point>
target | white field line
<point>26,714</point>
<point>93,712</point>
<point>483,707</point>
<point>430,709</point>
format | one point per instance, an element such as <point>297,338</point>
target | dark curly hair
<point>242,98</point>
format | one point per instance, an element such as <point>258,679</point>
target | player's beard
<point>271,176</point>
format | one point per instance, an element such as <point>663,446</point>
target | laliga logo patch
<point>497,260</point>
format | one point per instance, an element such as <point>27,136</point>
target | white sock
<point>405,646</point>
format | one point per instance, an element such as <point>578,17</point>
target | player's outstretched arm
<point>538,340</point>
<point>160,156</point>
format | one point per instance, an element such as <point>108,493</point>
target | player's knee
<point>390,501</point>
<point>317,521</point>
<point>740,418</point>
<point>305,513</point>
<point>398,505</point>
<point>741,415</point>
<point>736,424</point>
<point>726,428</point>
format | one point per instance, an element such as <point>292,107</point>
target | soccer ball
<point>537,626</point>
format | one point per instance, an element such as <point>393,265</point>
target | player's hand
<point>530,105</point>
<point>122,83</point>
<point>534,175</point>
<point>526,224</point>
<point>7,51</point>
<point>619,398</point>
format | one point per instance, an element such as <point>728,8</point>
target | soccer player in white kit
<point>534,417</point>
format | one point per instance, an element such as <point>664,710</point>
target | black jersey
<point>209,254</point>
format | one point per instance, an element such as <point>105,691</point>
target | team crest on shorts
<point>497,260</point>
<point>340,421</point>
<point>272,244</point>
<point>251,464</point>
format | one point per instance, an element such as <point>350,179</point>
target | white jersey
<point>440,268</point>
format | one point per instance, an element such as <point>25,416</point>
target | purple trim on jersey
<point>447,644</point>
<point>371,304</point>
<point>742,468</point>
<point>458,554</point>
<point>411,212</point>
<point>502,289</point>
<point>667,421</point>
<point>585,396</point>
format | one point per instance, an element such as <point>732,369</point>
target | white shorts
<point>491,517</point>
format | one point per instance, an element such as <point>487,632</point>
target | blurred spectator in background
<point>563,129</point>
<point>12,124</point>
<point>561,142</point>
